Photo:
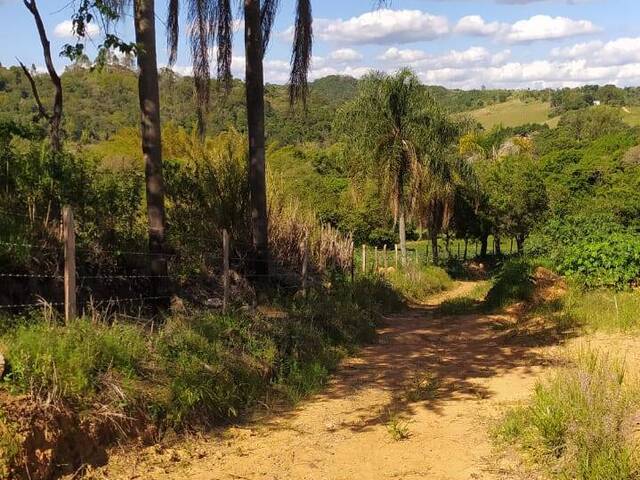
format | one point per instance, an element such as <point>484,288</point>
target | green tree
<point>399,135</point>
<point>517,196</point>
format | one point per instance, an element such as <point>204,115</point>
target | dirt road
<point>436,380</point>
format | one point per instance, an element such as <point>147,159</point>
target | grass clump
<point>397,428</point>
<point>579,423</point>
<point>70,361</point>
<point>418,283</point>
<point>513,283</point>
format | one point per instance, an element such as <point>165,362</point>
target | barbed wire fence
<point>68,288</point>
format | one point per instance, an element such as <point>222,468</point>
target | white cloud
<point>620,51</point>
<point>65,30</point>
<point>537,27</point>
<point>476,25</point>
<point>345,55</point>
<point>451,59</point>
<point>383,26</point>
<point>544,27</point>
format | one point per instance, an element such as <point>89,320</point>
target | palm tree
<point>212,22</point>
<point>399,132</point>
<point>149,99</point>
<point>258,23</point>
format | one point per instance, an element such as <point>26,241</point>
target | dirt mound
<point>52,440</point>
<point>548,286</point>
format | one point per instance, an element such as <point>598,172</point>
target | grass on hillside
<point>513,113</point>
<point>579,424</point>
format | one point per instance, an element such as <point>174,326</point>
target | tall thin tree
<point>149,98</point>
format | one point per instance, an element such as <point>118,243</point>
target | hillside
<point>514,112</point>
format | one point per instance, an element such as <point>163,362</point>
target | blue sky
<point>463,44</point>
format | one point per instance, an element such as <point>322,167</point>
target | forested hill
<point>99,103</point>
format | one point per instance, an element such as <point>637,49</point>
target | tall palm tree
<point>149,99</point>
<point>212,22</point>
<point>398,131</point>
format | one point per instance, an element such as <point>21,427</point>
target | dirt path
<point>437,378</point>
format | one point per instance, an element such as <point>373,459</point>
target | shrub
<point>578,422</point>
<point>513,283</point>
<point>614,262</point>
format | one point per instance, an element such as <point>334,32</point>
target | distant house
<point>596,103</point>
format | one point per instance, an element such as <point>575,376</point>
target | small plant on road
<point>398,428</point>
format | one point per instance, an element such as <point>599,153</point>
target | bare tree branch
<point>55,118</point>
<point>42,112</point>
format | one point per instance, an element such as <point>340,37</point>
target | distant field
<point>513,113</point>
<point>631,115</point>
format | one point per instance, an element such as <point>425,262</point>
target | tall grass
<point>513,283</point>
<point>606,310</point>
<point>418,283</point>
<point>579,424</point>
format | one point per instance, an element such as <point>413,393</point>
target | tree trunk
<point>254,84</point>
<point>484,245</point>
<point>497,247</point>
<point>402,230</point>
<point>434,247</point>
<point>149,96</point>
<point>520,243</point>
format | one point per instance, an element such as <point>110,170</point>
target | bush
<point>513,283</point>
<point>614,262</point>
<point>578,422</point>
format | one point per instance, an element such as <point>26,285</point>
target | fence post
<point>69,237</point>
<point>385,257</point>
<point>353,261</point>
<point>417,261</point>
<point>376,259</point>
<point>305,264</point>
<point>396,247</point>
<point>225,270</point>
<point>364,259</point>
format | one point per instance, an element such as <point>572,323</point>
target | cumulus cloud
<point>345,55</point>
<point>535,28</point>
<point>383,26</point>
<point>451,59</point>
<point>476,25</point>
<point>65,29</point>
<point>620,51</point>
<point>544,27</point>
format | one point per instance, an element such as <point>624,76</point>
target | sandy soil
<point>439,379</point>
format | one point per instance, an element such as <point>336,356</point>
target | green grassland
<point>513,113</point>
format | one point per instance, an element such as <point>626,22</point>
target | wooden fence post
<point>396,248</point>
<point>225,270</point>
<point>353,261</point>
<point>69,236</point>
<point>305,264</point>
<point>385,256</point>
<point>364,259</point>
<point>376,259</point>
<point>417,261</point>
